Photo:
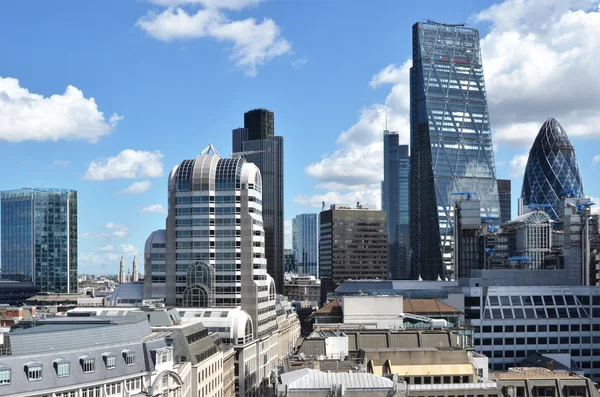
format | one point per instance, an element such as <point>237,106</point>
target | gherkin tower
<point>552,170</point>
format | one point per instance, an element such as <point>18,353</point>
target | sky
<point>105,97</point>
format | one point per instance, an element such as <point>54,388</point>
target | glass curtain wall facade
<point>257,143</point>
<point>39,238</point>
<point>305,240</point>
<point>394,201</point>
<point>552,171</point>
<point>451,143</point>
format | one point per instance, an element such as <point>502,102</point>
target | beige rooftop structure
<point>421,362</point>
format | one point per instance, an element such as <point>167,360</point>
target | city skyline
<point>115,221</point>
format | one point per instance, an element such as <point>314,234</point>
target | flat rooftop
<point>533,373</point>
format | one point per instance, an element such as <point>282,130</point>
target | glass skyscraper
<point>257,143</point>
<point>451,144</point>
<point>39,238</point>
<point>394,200</point>
<point>305,243</point>
<point>552,171</point>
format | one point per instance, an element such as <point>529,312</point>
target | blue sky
<point>167,77</point>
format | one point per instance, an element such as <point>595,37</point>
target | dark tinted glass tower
<point>352,244</point>
<point>451,143</point>
<point>504,197</point>
<point>552,171</point>
<point>394,200</point>
<point>39,238</point>
<point>257,143</point>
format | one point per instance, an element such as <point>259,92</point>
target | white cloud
<point>518,164</point>
<point>137,187</point>
<point>154,208</point>
<point>106,248</point>
<point>298,63</point>
<point>596,159</point>
<point>370,196</point>
<point>118,230</point>
<point>125,165</point>
<point>539,62</point>
<point>61,163</point>
<point>115,226</point>
<point>120,233</point>
<point>128,249</point>
<point>89,235</point>
<point>25,116</point>
<point>225,4</point>
<point>114,120</point>
<point>253,43</point>
<point>391,74</point>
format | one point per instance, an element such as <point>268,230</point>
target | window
<point>129,357</point>
<point>4,375</point>
<point>87,364</point>
<point>110,360</point>
<point>33,371</point>
<point>62,367</point>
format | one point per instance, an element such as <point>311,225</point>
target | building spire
<point>135,274</point>
<point>121,278</point>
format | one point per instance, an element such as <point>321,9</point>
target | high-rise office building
<point>504,198</point>
<point>552,171</point>
<point>451,143</point>
<point>394,201</point>
<point>305,242</point>
<point>39,238</point>
<point>257,143</point>
<point>214,242</point>
<point>352,244</point>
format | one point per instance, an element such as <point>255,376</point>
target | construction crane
<point>571,193</point>
<point>488,219</point>
<point>524,259</point>
<point>247,152</point>
<point>492,228</point>
<point>581,208</point>
<point>537,206</point>
<point>433,322</point>
<point>466,194</point>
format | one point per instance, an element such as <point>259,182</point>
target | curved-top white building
<point>212,253</point>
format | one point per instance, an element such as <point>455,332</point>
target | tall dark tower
<point>394,201</point>
<point>505,199</point>
<point>451,143</point>
<point>260,124</point>
<point>257,143</point>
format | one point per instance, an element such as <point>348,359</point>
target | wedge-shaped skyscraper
<point>451,144</point>
<point>552,171</point>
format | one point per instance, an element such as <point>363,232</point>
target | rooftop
<point>311,379</point>
<point>428,306</point>
<point>533,373</point>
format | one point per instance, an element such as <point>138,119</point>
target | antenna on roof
<point>386,118</point>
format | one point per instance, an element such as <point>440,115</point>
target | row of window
<point>62,367</point>
<point>206,199</point>
<point>538,328</point>
<point>575,340</point>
